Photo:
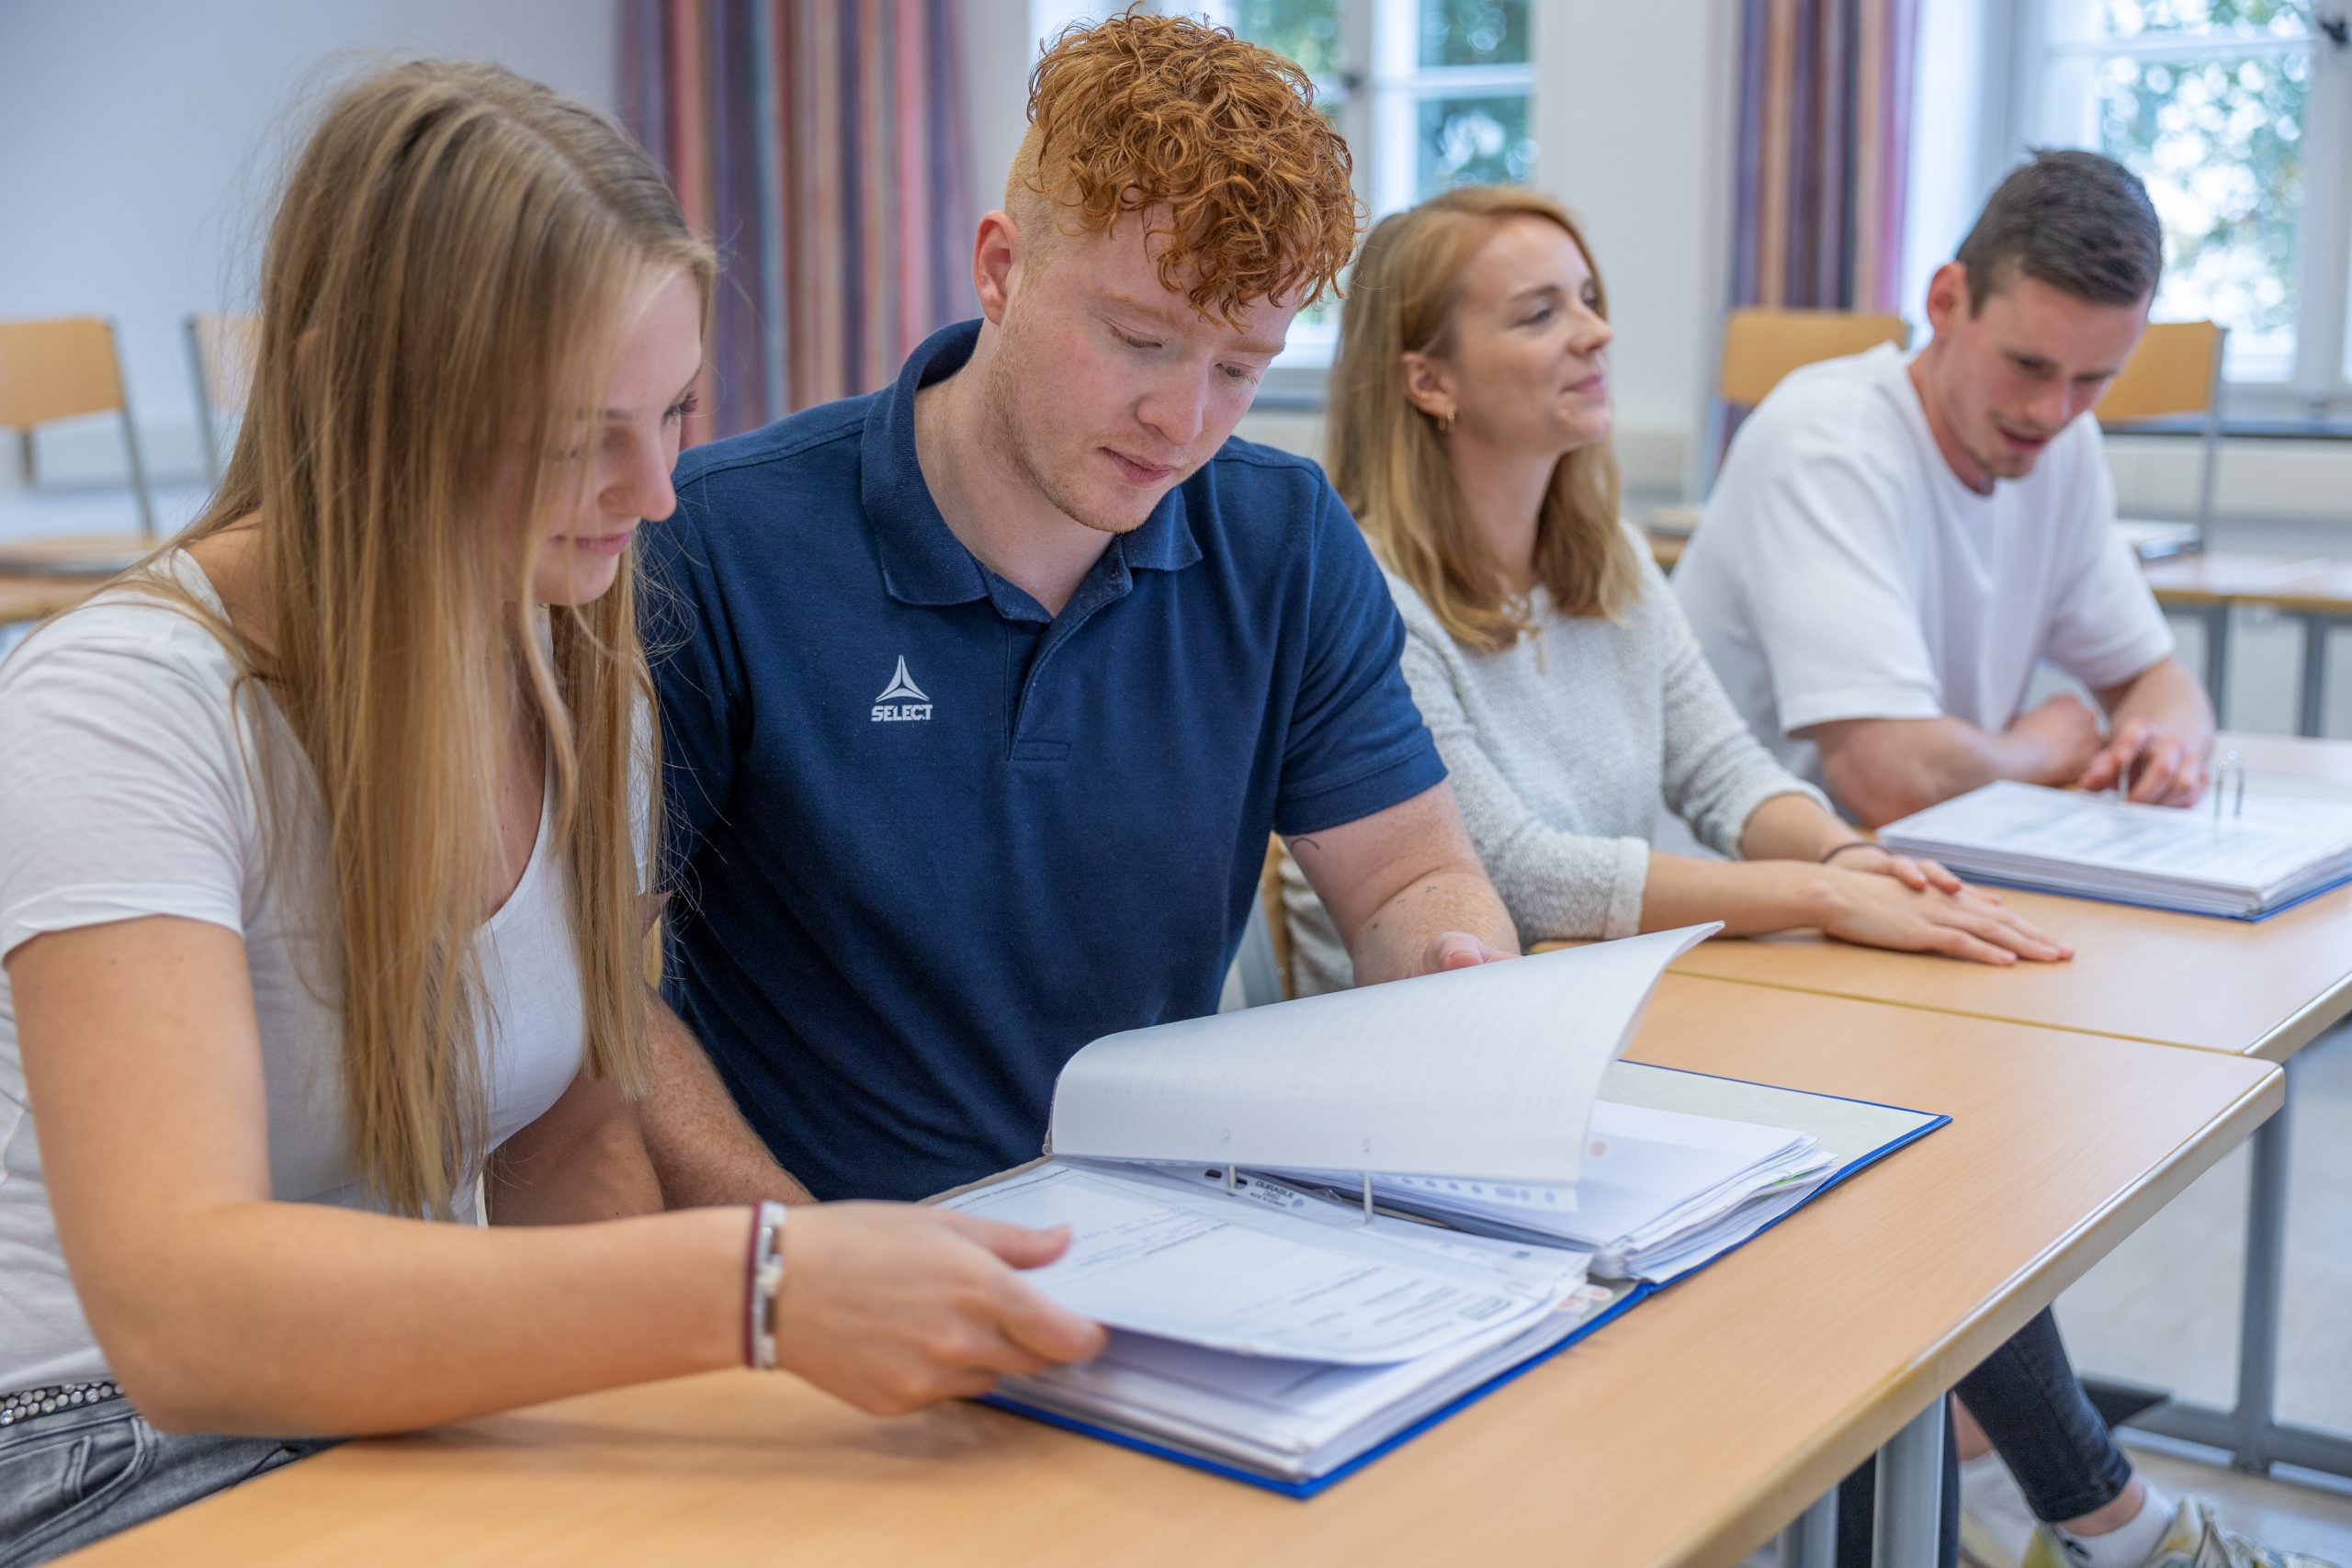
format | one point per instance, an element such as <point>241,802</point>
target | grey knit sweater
<point>1560,749</point>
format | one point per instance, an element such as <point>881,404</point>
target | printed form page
<point>1151,1256</point>
<point>2271,841</point>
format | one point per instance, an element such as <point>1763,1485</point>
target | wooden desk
<point>1687,1433</point>
<point>35,598</point>
<point>2212,577</point>
<point>2316,591</point>
<point>33,595</point>
<point>2263,989</point>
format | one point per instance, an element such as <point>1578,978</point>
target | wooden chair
<point>65,368</point>
<point>1759,347</point>
<point>221,359</point>
<point>2175,370</point>
<point>1264,958</point>
<point>1762,346</point>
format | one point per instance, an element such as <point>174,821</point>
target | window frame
<point>1379,94</point>
<point>2318,386</point>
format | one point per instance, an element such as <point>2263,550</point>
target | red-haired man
<point>987,688</point>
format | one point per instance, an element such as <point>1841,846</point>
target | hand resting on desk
<point>1882,904</point>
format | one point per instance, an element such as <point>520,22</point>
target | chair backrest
<point>57,370</point>
<point>220,346</point>
<point>2176,369</point>
<point>221,355</point>
<point>1760,346</point>
<point>1264,958</point>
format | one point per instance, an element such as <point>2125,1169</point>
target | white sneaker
<point>2195,1540</point>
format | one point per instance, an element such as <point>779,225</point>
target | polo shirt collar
<point>922,560</point>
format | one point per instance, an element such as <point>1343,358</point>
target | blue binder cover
<point>2254,918</point>
<point>1313,1485</point>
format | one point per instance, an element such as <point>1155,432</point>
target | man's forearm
<point>584,1160</point>
<point>1395,942</point>
<point>1901,766</point>
<point>703,1150</point>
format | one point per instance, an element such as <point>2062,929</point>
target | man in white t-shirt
<point>1894,543</point>
<point>1892,547</point>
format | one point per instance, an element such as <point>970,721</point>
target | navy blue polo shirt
<point>927,841</point>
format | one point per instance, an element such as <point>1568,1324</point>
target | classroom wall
<point>145,134</point>
<point>143,137</point>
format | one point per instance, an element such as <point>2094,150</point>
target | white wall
<point>1629,118</point>
<point>143,139</point>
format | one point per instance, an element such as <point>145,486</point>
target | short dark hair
<point>2077,222</point>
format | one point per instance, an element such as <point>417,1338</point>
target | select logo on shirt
<point>909,700</point>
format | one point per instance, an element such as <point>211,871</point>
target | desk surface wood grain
<point>2263,989</point>
<point>1685,1433</point>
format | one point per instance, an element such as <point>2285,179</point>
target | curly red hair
<point>1141,113</point>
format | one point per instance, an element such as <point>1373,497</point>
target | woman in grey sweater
<point>1470,423</point>
<point>1470,435</point>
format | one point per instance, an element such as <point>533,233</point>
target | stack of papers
<point>2243,864</point>
<point>1659,1190</point>
<point>1281,1335</point>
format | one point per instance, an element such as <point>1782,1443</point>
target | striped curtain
<point>1824,138</point>
<point>820,143</point>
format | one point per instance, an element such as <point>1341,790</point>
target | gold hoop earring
<point>1445,425</point>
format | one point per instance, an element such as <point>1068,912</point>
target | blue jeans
<point>2031,1406</point>
<point>69,1478</point>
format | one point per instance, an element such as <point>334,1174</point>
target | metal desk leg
<point>2314,693</point>
<point>2217,656</point>
<point>1811,1540</point>
<point>2259,1307</point>
<point>1909,1524</point>
<point>2250,1431</point>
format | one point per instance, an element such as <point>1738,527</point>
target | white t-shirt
<point>1843,572</point>
<point>125,792</point>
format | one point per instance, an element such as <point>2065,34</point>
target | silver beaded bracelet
<point>766,1279</point>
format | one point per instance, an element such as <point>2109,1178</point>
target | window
<point>2238,116</point>
<point>1428,94</point>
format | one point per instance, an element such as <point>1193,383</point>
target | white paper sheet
<point>2065,837</point>
<point>1487,1072</point>
<point>1283,1417</point>
<point>1639,1163</point>
<point>1155,1257</point>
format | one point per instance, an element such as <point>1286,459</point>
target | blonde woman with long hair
<point>323,845</point>
<point>1470,420</point>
